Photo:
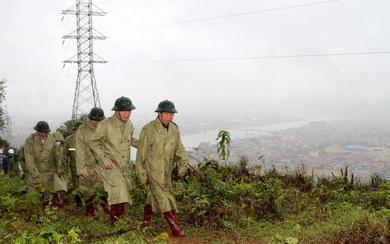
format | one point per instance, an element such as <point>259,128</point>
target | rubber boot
<point>116,213</point>
<point>112,215</point>
<point>79,205</point>
<point>55,199</point>
<point>148,213</point>
<point>89,207</point>
<point>105,205</point>
<point>60,201</point>
<point>120,208</point>
<point>170,217</point>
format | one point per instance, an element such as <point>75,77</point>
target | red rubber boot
<point>170,217</point>
<point>89,212</point>
<point>148,213</point>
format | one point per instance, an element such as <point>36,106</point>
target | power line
<point>33,95</point>
<point>254,57</point>
<point>225,16</point>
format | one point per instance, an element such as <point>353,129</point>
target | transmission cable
<point>254,57</point>
<point>32,96</point>
<point>224,16</point>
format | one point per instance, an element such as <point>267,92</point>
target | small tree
<point>4,144</point>
<point>224,145</point>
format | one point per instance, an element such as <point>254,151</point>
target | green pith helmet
<point>166,106</point>
<point>58,136</point>
<point>96,114</point>
<point>123,104</point>
<point>42,126</point>
<point>76,125</point>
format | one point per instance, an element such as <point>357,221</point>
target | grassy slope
<point>219,205</point>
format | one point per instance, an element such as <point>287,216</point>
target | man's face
<point>42,135</point>
<point>94,123</point>
<point>166,117</point>
<point>123,115</point>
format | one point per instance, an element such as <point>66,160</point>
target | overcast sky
<point>304,57</point>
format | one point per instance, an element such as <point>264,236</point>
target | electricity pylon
<point>86,93</point>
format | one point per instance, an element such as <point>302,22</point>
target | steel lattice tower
<point>86,93</point>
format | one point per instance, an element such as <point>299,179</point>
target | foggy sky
<point>208,57</point>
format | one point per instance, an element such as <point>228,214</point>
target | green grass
<point>219,204</point>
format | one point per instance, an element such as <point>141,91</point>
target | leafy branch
<point>223,145</point>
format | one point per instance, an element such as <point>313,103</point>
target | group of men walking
<point>98,154</point>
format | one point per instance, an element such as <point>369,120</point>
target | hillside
<point>219,204</point>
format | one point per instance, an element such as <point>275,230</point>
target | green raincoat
<point>111,144</point>
<point>86,162</point>
<point>40,157</point>
<point>21,161</point>
<point>70,158</point>
<point>13,167</point>
<point>60,182</point>
<point>159,151</point>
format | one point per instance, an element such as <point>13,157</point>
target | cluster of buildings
<point>325,149</point>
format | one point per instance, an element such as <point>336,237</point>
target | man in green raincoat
<point>21,163</point>
<point>111,147</point>
<point>13,165</point>
<point>89,172</point>
<point>70,159</point>
<point>61,174</point>
<point>160,150</point>
<point>40,156</point>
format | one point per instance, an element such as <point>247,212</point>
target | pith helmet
<point>42,126</point>
<point>123,104</point>
<point>96,114</point>
<point>11,151</point>
<point>58,136</point>
<point>166,106</point>
<point>76,125</point>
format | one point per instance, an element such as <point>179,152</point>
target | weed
<point>227,203</point>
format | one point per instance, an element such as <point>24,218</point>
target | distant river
<point>192,141</point>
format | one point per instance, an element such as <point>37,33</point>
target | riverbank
<point>249,128</point>
<point>228,123</point>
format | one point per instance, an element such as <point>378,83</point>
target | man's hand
<point>110,166</point>
<point>85,175</point>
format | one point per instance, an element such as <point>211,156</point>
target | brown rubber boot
<point>170,217</point>
<point>89,212</point>
<point>60,202</point>
<point>148,213</point>
<point>112,215</point>
<point>117,214</point>
<point>105,205</point>
<point>120,208</point>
